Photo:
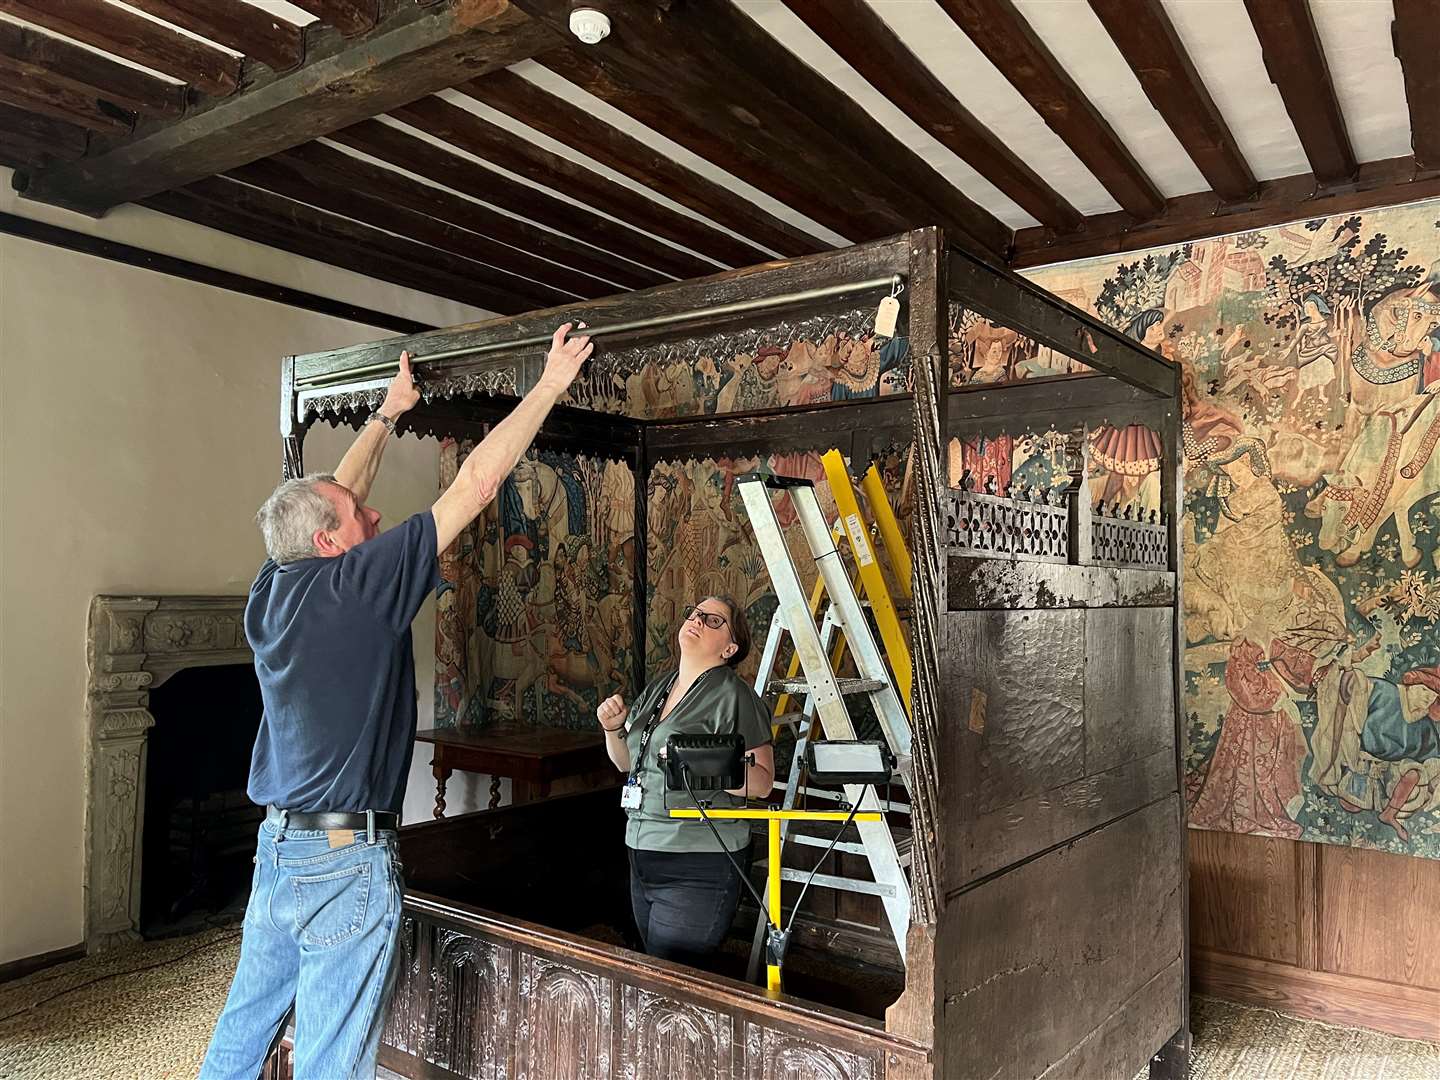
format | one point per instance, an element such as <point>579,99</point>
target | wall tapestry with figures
<point>1310,359</point>
<point>534,618</point>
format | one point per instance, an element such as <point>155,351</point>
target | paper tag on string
<point>886,316</point>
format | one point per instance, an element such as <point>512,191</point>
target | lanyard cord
<point>654,721</point>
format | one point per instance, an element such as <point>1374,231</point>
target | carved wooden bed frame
<point>1049,926</point>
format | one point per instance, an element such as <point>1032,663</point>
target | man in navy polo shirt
<point>329,621</point>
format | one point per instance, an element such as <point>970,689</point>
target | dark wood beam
<point>308,178</point>
<point>586,262</point>
<point>128,255</point>
<point>1416,36</point>
<point>425,159</point>
<point>277,222</point>
<point>28,140</point>
<point>350,17</point>
<point>123,33</point>
<point>711,79</point>
<point>237,25</point>
<point>1011,44</point>
<point>41,95</point>
<point>415,51</point>
<point>725,30</point>
<point>1191,217</point>
<point>28,54</point>
<point>521,99</point>
<point>494,144</point>
<point>864,40</point>
<point>1012,301</point>
<point>1295,62</point>
<point>1147,39</point>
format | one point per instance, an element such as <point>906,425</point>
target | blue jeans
<point>320,934</point>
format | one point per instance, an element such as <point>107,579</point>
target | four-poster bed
<point>1048,926</point>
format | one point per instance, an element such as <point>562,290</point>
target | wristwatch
<point>389,424</point>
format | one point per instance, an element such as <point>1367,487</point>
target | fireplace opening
<point>199,831</point>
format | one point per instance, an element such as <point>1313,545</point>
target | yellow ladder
<point>872,578</point>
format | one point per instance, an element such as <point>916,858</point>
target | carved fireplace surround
<point>135,643</point>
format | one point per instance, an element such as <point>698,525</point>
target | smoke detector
<point>589,25</point>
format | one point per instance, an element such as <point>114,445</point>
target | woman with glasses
<point>683,887</point>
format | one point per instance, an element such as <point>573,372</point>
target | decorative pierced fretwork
<point>1129,537</point>
<point>1029,525</point>
<point>368,396</point>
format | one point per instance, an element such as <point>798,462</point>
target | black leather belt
<point>294,819</point>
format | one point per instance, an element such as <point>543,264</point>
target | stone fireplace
<point>134,644</point>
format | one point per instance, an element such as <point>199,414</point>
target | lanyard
<point>654,721</point>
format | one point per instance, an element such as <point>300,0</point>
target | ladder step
<point>846,686</point>
<point>790,719</point>
<point>892,805</point>
<point>839,884</point>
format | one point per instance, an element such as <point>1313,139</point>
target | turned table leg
<point>442,774</point>
<point>494,790</point>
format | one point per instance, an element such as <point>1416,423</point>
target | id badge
<point>631,796</point>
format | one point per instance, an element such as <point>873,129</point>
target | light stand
<point>717,763</point>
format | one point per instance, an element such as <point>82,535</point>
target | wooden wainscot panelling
<point>1070,959</point>
<point>773,1054</point>
<point>1379,916</point>
<point>1348,1000</point>
<point>566,1022</point>
<point>666,1039</point>
<point>1244,896</point>
<point>469,1022</point>
<point>1042,750</point>
<point>982,584</point>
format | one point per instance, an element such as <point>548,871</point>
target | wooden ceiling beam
<point>864,40</point>
<point>350,17</point>
<point>27,54</point>
<point>28,140</point>
<point>724,30</point>
<point>136,38</point>
<point>1147,39</point>
<point>478,136</point>
<point>1192,217</point>
<point>268,219</point>
<point>406,151</point>
<point>402,190</point>
<point>718,84</point>
<point>414,52</point>
<point>1011,44</point>
<point>48,98</point>
<point>522,100</point>
<point>1295,62</point>
<point>306,175</point>
<point>243,27</point>
<point>1416,36</point>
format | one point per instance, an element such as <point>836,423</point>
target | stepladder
<point>821,629</point>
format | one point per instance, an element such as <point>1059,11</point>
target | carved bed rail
<point>1040,525</point>
<point>483,996</point>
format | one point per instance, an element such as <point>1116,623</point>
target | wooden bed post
<point>1173,1060</point>
<point>292,432</point>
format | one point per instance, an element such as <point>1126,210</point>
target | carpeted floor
<point>145,1013</point>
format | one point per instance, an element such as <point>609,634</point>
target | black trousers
<point>684,902</point>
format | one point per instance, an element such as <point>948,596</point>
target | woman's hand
<point>611,715</point>
<point>611,712</point>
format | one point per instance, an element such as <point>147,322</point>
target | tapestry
<point>1310,363</point>
<point>534,619</point>
<point>699,542</point>
<point>787,364</point>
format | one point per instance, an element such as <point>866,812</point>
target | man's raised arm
<point>479,479</point>
<point>361,462</point>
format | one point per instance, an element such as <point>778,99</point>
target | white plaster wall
<point>138,433</point>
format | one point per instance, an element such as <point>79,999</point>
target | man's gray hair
<point>293,514</point>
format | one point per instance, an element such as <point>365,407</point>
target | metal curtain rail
<point>892,282</point>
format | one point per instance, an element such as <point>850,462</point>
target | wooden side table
<point>533,758</point>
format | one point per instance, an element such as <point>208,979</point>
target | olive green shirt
<point>719,703</point>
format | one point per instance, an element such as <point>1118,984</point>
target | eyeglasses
<point>709,618</point>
